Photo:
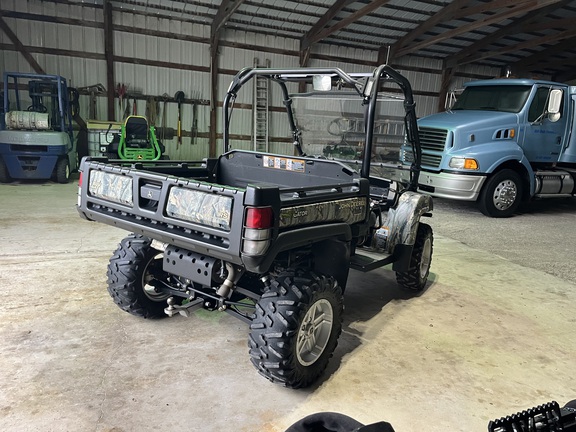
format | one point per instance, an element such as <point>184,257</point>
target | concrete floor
<point>492,335</point>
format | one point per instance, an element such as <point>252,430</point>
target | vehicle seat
<point>138,140</point>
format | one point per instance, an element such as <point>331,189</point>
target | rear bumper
<point>449,185</point>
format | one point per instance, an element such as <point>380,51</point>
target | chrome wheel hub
<point>505,194</point>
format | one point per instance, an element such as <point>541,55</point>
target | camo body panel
<point>403,219</point>
<point>350,210</point>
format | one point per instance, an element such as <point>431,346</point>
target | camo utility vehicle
<point>270,237</point>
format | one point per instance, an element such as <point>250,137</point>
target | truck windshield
<point>507,98</point>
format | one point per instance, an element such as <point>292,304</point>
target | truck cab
<point>503,141</point>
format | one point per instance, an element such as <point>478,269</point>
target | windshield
<point>332,126</point>
<point>304,113</point>
<point>507,98</point>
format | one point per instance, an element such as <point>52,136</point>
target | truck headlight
<point>463,163</point>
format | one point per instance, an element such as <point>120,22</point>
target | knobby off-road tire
<point>295,328</point>
<point>501,195</point>
<point>417,275</point>
<point>130,270</point>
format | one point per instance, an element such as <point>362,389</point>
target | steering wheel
<point>37,108</point>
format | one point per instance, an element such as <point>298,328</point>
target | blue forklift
<point>36,136</point>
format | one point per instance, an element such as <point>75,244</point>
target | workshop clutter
<point>168,124</point>
<point>100,135</point>
<point>173,117</point>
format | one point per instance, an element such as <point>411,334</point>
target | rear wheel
<point>132,268</point>
<point>295,327</point>
<point>4,176</point>
<point>417,275</point>
<point>501,195</point>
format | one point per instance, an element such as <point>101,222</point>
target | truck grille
<point>433,143</point>
<point>432,139</point>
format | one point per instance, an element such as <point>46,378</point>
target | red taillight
<point>80,179</point>
<point>259,217</point>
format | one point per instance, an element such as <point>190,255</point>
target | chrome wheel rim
<point>314,332</point>
<point>505,194</point>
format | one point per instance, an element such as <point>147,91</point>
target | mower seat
<point>138,140</point>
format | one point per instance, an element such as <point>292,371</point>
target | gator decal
<point>200,207</point>
<point>350,210</point>
<point>111,187</point>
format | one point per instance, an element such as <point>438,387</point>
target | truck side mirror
<point>554,102</point>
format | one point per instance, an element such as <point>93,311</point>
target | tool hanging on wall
<point>93,91</point>
<point>194,131</point>
<point>128,108</point>
<point>134,108</point>
<point>121,90</point>
<point>152,109</point>
<point>179,97</point>
<point>165,98</point>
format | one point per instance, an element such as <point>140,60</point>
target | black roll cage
<point>368,91</point>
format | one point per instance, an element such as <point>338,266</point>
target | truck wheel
<point>132,266</point>
<point>4,176</point>
<point>417,275</point>
<point>295,328</point>
<point>62,171</point>
<point>501,195</point>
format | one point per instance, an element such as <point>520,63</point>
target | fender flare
<point>410,208</point>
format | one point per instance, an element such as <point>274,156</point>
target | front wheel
<point>4,175</point>
<point>62,171</point>
<point>295,328</point>
<point>501,195</point>
<point>416,276</point>
<point>132,269</point>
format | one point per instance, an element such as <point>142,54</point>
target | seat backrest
<point>138,140</point>
<point>136,131</point>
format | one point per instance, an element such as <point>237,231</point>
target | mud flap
<point>332,257</point>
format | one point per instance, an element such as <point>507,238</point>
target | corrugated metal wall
<point>83,36</point>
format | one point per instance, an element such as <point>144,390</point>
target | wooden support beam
<point>536,61</point>
<point>530,22</point>
<point>460,9</point>
<point>330,14</point>
<point>12,36</point>
<point>212,151</point>
<point>506,13</point>
<point>447,75</point>
<point>109,55</point>
<point>549,39</point>
<point>225,11</point>
<point>327,31</point>
<point>445,14</point>
<point>567,75</point>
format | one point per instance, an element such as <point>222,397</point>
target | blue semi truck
<point>504,141</point>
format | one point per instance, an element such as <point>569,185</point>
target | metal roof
<point>530,37</point>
